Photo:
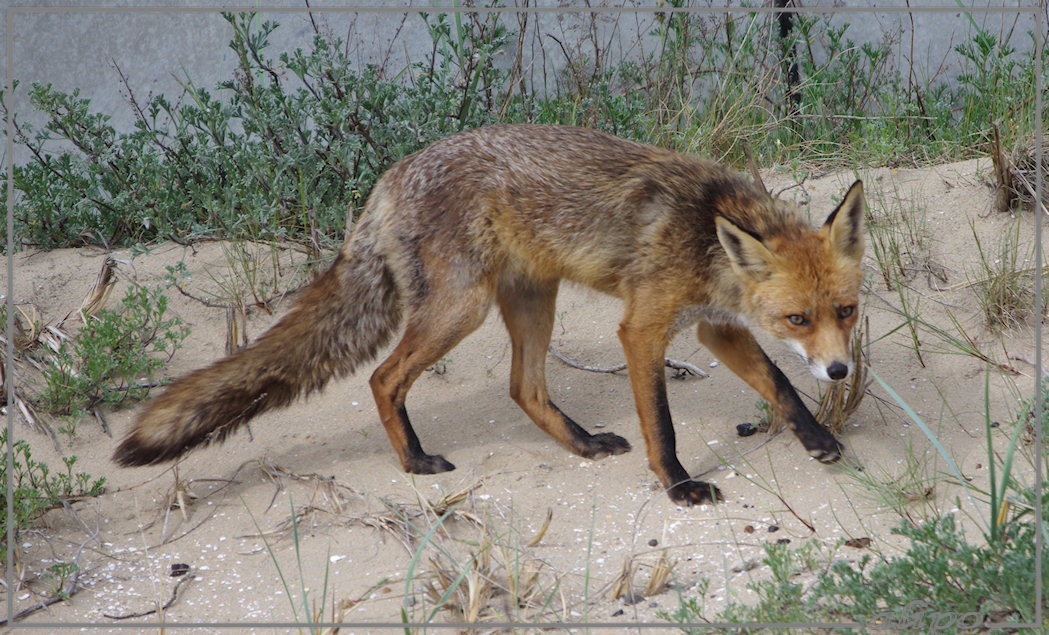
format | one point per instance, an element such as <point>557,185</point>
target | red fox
<point>501,215</point>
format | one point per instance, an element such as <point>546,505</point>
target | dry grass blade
<point>657,580</point>
<point>447,589</point>
<point>1031,191</point>
<point>1025,169</point>
<point>52,337</point>
<point>288,525</point>
<point>442,505</point>
<point>477,578</point>
<point>99,292</point>
<point>1004,190</point>
<point>28,415</point>
<point>523,583</point>
<point>621,586</point>
<point>27,327</point>
<point>327,486</point>
<point>236,334</point>
<point>23,408</point>
<point>340,611</point>
<point>449,504</point>
<point>684,368</point>
<point>538,537</point>
<point>396,526</point>
<point>752,167</point>
<point>1016,170</point>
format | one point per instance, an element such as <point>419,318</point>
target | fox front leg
<point>736,347</point>
<point>644,346</point>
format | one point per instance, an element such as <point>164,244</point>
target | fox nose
<point>837,370</point>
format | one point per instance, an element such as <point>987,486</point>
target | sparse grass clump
<point>944,581</point>
<point>1004,280</point>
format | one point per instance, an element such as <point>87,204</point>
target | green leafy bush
<point>36,488</point>
<point>291,145</point>
<point>114,357</point>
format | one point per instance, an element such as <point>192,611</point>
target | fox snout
<point>833,371</point>
<point>836,371</point>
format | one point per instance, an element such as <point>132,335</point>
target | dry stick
<point>794,513</point>
<point>168,541</point>
<point>1027,360</point>
<point>69,591</point>
<point>263,303</point>
<point>1004,192</point>
<point>187,576</point>
<point>752,167</point>
<point>670,363</point>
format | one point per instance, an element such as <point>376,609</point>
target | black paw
<point>828,450</point>
<point>695,493</point>
<point>605,444</point>
<point>428,464</point>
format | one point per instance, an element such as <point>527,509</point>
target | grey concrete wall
<point>80,44</point>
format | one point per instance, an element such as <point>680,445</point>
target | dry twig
<point>678,365</point>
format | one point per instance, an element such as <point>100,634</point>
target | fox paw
<point>599,446</point>
<point>427,464</point>
<point>695,493</point>
<point>829,451</point>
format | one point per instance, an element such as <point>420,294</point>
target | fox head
<point>803,288</point>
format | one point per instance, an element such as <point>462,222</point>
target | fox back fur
<point>500,215</point>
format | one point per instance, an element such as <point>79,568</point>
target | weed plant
<point>1003,281</point>
<point>944,581</point>
<point>36,488</point>
<point>283,149</point>
<point>114,358</point>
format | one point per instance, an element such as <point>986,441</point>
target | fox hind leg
<point>434,327</point>
<point>528,311</point>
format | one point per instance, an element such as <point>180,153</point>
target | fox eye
<point>846,312</point>
<point>797,320</point>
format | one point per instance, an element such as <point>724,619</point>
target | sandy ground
<point>364,545</point>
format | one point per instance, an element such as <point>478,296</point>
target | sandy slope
<point>360,519</point>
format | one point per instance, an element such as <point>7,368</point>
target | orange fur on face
<point>835,283</point>
<point>802,287</point>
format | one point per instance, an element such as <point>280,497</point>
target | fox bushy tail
<point>340,321</point>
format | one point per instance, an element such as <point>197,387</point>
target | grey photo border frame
<point>12,15</point>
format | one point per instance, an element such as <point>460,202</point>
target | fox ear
<point>749,257</point>
<point>844,226</point>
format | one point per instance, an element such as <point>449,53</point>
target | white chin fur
<point>819,371</point>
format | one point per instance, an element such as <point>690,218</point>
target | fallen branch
<point>70,589</point>
<point>186,577</point>
<point>1027,360</point>
<point>670,363</point>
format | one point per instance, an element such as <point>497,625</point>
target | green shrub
<point>36,489</point>
<point>115,357</point>
<point>289,144</point>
